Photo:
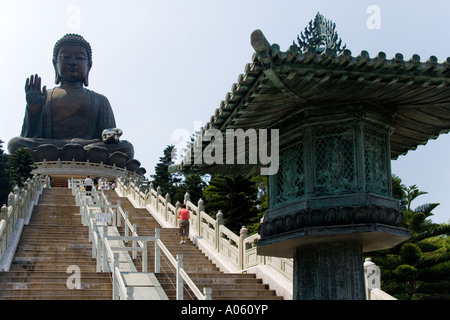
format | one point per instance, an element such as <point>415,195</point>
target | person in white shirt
<point>88,183</point>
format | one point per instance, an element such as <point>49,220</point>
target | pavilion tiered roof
<point>281,85</point>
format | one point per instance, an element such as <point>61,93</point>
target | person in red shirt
<point>183,216</point>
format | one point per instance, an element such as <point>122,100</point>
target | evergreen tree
<point>236,197</point>
<point>418,268</point>
<point>21,165</point>
<point>5,178</point>
<point>168,182</point>
<point>192,184</point>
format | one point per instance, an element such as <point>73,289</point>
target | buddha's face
<point>72,64</point>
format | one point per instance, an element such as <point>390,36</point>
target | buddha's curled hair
<point>73,39</point>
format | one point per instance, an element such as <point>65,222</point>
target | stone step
<point>225,285</point>
<point>220,291</point>
<point>52,267</point>
<point>56,294</point>
<point>41,285</point>
<point>51,276</point>
<point>55,240</point>
<point>200,269</point>
<point>50,245</point>
<point>54,257</point>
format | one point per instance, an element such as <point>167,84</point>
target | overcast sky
<point>166,65</point>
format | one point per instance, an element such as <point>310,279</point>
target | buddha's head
<point>72,59</point>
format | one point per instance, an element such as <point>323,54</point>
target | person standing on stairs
<point>183,216</point>
<point>88,185</point>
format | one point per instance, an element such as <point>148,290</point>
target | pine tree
<point>168,182</point>
<point>21,165</point>
<point>192,184</point>
<point>419,268</point>
<point>236,197</point>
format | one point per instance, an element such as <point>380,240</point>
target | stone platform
<point>63,170</point>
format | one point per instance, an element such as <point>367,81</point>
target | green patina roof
<point>279,85</point>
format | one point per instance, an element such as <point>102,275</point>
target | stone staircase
<point>225,286</point>
<point>50,244</point>
<point>54,241</point>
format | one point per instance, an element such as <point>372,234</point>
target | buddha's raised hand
<point>33,94</point>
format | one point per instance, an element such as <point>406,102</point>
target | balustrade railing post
<point>144,257</point>
<point>98,254</point>
<point>241,247</point>
<point>133,243</point>
<point>166,208</point>
<point>177,209</point>
<point>146,198</point>
<point>4,216</point>
<point>187,197</point>
<point>372,276</point>
<point>158,193</point>
<point>126,225</point>
<point>118,218</point>
<point>115,280</point>
<point>157,252</point>
<point>179,279</point>
<point>130,292</point>
<point>207,292</point>
<point>104,252</point>
<point>219,222</point>
<point>200,207</point>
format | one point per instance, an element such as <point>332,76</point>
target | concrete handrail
<point>104,253</point>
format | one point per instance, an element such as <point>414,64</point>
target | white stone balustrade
<point>15,215</point>
<point>231,252</point>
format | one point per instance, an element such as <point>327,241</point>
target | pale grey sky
<point>166,65</point>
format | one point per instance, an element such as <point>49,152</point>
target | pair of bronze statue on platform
<point>70,122</point>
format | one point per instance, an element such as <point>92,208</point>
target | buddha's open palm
<point>33,94</point>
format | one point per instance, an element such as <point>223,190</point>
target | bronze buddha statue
<point>71,122</point>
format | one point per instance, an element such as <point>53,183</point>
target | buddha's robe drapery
<point>86,123</point>
<point>83,126</point>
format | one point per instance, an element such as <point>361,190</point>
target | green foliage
<point>6,183</point>
<point>397,189</point>
<point>21,165</point>
<point>419,268</point>
<point>162,178</point>
<point>175,184</point>
<point>236,197</point>
<point>262,203</point>
<point>192,184</point>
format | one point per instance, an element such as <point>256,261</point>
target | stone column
<point>329,271</point>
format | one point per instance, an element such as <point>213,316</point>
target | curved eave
<point>279,85</point>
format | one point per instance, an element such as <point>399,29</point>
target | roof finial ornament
<point>320,35</point>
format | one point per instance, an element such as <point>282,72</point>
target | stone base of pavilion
<point>327,260</point>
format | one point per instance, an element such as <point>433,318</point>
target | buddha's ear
<point>57,77</point>
<point>86,78</point>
